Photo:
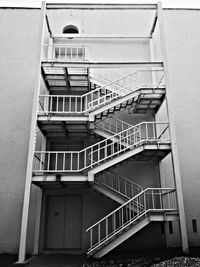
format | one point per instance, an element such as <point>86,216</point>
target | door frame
<point>44,220</point>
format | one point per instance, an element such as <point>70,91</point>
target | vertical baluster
<point>91,156</point>
<point>70,53</point>
<point>152,199</point>
<point>63,99</point>
<point>56,161</point>
<point>122,216</point>
<point>70,103</point>
<point>169,204</point>
<point>71,161</point>
<point>63,161</point>
<point>78,160</point>
<point>50,104</point>
<point>145,205</point>
<point>57,103</point>
<point>77,52</point>
<point>99,233</point>
<point>125,189</point>
<point>81,104</point>
<point>161,206</point>
<point>132,192</point>
<point>65,53</point>
<point>106,227</point>
<point>91,237</point>
<point>114,222</point>
<point>154,131</point>
<point>146,131</point>
<point>48,161</point>
<point>40,161</point>
<point>85,162</point>
<point>75,104</point>
<point>59,52</point>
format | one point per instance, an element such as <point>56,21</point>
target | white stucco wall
<point>19,36</point>
<point>182,41</point>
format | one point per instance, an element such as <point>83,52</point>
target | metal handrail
<point>59,52</point>
<point>151,199</point>
<point>105,149</point>
<point>113,125</point>
<point>98,97</point>
<point>119,184</point>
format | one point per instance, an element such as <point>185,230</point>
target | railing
<point>59,104</point>
<point>152,199</point>
<point>98,97</point>
<point>76,161</point>
<point>119,184</point>
<point>105,76</point>
<point>113,125</point>
<point>58,52</point>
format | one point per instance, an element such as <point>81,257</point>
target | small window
<point>70,29</point>
<point>194,225</point>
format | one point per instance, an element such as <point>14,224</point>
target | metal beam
<point>62,118</point>
<point>63,178</point>
<point>102,6</point>
<point>48,25</point>
<point>171,116</point>
<point>154,24</point>
<point>101,64</point>
<point>87,37</point>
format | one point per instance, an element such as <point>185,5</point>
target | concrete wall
<point>182,41</point>
<point>99,23</point>
<point>19,36</point>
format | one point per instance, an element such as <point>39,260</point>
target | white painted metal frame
<point>170,110</point>
<point>101,96</point>
<point>92,156</point>
<point>62,52</point>
<point>111,226</point>
<point>119,184</point>
<point>28,180</point>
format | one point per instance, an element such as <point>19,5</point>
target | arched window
<point>70,29</point>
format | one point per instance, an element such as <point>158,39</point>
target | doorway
<point>64,222</point>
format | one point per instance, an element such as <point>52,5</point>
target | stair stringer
<point>105,165</point>
<point>107,135</point>
<point>151,216</point>
<point>122,99</point>
<point>121,238</point>
<point>113,104</point>
<point>133,151</point>
<point>119,199</point>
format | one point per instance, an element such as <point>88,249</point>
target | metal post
<point>175,160</point>
<point>27,190</point>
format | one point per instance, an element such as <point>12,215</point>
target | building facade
<point>100,118</point>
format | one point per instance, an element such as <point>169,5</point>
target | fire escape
<point>86,99</point>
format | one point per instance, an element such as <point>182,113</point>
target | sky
<point>165,3</point>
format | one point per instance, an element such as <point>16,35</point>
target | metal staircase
<point>103,93</point>
<point>110,98</point>
<point>116,187</point>
<point>153,204</point>
<point>145,136</point>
